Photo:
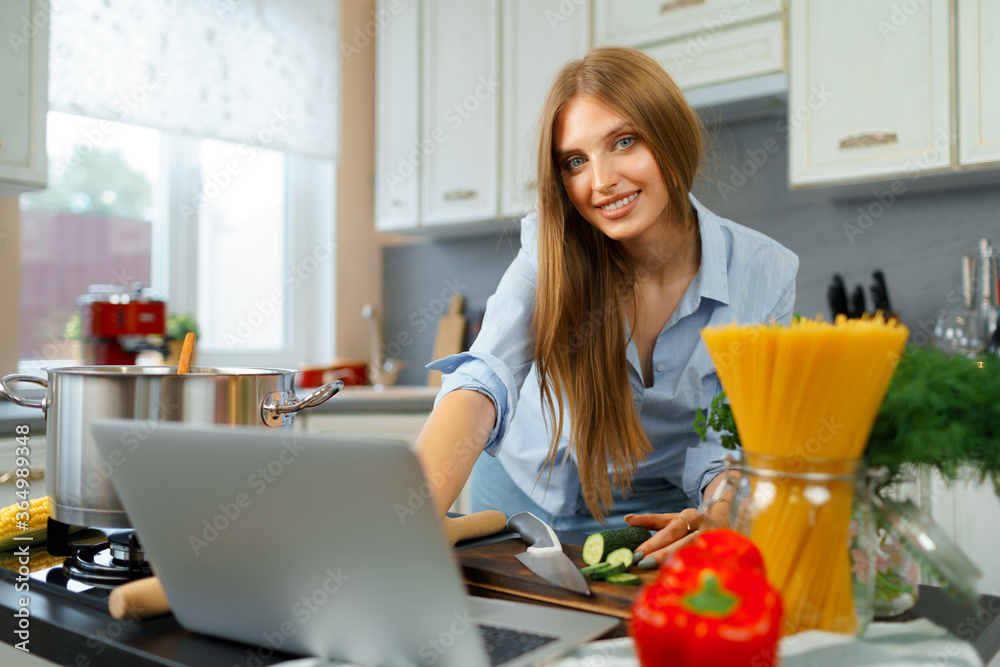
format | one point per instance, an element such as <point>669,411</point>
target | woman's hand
<point>677,529</point>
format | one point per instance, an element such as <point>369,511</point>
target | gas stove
<point>85,564</point>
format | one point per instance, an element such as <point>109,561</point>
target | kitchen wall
<point>915,237</point>
<point>10,294</point>
<point>359,260</point>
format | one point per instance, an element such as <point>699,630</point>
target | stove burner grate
<point>106,564</point>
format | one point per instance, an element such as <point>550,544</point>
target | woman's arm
<point>452,440</point>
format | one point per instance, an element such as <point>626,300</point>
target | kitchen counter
<point>353,400</point>
<point>69,631</point>
<point>399,398</point>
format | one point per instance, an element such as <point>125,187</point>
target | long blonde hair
<point>584,277</point>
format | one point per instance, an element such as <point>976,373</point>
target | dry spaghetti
<point>807,395</point>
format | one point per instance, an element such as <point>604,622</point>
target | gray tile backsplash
<point>916,239</point>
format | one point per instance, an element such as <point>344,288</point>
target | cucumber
<point>611,570</point>
<point>623,579</point>
<point>598,546</point>
<point>590,569</point>
<point>621,556</point>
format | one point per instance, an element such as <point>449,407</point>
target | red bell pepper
<point>710,606</point>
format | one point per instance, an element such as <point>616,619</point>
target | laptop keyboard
<point>505,644</point>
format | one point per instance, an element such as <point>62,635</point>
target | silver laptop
<point>324,546</point>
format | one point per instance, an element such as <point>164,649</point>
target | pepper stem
<point>711,599</point>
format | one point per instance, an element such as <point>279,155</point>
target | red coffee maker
<point>117,323</point>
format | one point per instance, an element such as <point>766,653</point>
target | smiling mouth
<point>624,201</point>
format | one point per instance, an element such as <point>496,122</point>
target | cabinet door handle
<point>868,139</point>
<point>461,195</point>
<point>676,4</point>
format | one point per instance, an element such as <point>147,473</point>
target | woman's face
<point>610,175</point>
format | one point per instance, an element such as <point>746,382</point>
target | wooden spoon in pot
<point>187,351</point>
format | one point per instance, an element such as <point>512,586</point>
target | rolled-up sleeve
<point>702,464</point>
<point>503,352</point>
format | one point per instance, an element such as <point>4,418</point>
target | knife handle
<point>535,532</point>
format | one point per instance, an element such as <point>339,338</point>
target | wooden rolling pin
<point>145,597</point>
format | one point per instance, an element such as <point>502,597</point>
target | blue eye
<point>626,142</point>
<point>573,162</point>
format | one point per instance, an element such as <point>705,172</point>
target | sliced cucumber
<point>623,579</point>
<point>590,569</point>
<point>598,546</point>
<point>611,570</point>
<point>621,556</point>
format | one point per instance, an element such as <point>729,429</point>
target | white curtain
<point>259,72</point>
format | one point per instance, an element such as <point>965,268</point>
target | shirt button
<point>660,367</point>
<point>635,396</point>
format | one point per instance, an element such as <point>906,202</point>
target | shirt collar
<point>713,275</point>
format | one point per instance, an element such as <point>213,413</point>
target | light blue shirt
<point>744,277</point>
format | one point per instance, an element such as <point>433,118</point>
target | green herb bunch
<point>720,420</point>
<point>939,411</point>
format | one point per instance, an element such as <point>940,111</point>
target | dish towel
<point>917,643</point>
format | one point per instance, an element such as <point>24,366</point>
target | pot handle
<point>6,392</point>
<point>278,409</point>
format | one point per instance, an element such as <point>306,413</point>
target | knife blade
<point>545,556</point>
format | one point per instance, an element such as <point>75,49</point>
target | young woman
<point>583,384</point>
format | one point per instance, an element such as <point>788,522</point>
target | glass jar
<point>897,570</point>
<point>814,526</point>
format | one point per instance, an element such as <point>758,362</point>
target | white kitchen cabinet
<point>643,22</point>
<point>461,102</point>
<point>539,36</point>
<point>870,90</point>
<point>24,98</point>
<point>398,150</point>
<point>964,510</point>
<point>978,61</point>
<point>730,55</point>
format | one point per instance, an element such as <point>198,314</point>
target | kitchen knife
<point>880,294</point>
<point>836,295</point>
<point>545,556</point>
<point>858,307</point>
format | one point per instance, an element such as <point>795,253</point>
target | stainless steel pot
<point>79,481</point>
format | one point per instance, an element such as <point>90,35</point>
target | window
<point>210,226</point>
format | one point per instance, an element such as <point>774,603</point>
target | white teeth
<point>621,202</point>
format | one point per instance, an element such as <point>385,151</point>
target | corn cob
<point>38,515</point>
<point>39,559</point>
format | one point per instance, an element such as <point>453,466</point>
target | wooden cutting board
<point>494,569</point>
<point>450,336</point>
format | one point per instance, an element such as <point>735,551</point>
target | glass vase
<point>897,570</point>
<point>815,528</point>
